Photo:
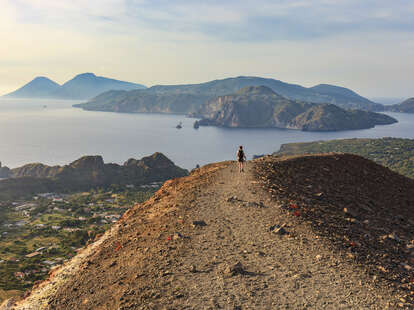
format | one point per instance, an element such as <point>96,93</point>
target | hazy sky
<point>366,45</point>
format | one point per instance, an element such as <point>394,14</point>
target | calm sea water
<point>52,132</point>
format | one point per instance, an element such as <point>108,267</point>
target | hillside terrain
<point>144,101</point>
<point>82,86</point>
<point>186,99</point>
<point>394,153</point>
<point>315,232</point>
<point>42,232</point>
<point>406,106</point>
<point>86,173</point>
<point>259,106</point>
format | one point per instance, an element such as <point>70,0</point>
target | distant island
<point>406,106</point>
<point>86,173</point>
<point>185,99</point>
<point>394,153</point>
<point>261,107</point>
<point>83,86</point>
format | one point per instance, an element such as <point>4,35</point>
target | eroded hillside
<point>86,173</point>
<point>274,237</point>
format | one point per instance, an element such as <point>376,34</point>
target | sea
<point>54,133</point>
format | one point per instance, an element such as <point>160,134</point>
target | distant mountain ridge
<point>260,107</point>
<point>341,94</point>
<point>82,86</point>
<point>39,87</point>
<point>188,98</point>
<point>86,173</point>
<point>406,106</point>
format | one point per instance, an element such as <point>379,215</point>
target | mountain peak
<point>41,78</point>
<point>88,162</point>
<point>85,75</point>
<point>83,86</point>
<point>39,87</point>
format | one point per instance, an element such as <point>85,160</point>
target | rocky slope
<point>82,86</point>
<point>261,107</point>
<point>406,106</point>
<point>274,237</point>
<point>86,173</point>
<point>188,98</point>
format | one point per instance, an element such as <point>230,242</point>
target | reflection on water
<point>59,134</point>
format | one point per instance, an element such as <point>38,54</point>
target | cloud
<point>365,45</point>
<point>233,20</point>
<point>275,20</point>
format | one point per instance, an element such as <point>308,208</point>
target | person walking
<point>241,158</point>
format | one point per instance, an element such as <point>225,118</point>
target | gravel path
<point>205,242</point>
<point>291,271</point>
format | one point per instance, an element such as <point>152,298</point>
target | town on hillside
<point>41,233</point>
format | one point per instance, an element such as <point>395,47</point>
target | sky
<point>367,46</point>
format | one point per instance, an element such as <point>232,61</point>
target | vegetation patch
<point>47,230</point>
<point>396,154</point>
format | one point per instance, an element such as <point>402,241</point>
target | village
<point>44,232</point>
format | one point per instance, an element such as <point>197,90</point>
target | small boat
<point>179,126</point>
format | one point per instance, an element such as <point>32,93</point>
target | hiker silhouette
<point>241,158</point>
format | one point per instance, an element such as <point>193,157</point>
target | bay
<point>53,132</point>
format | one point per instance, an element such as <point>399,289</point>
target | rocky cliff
<point>261,107</point>
<point>291,232</point>
<point>86,173</point>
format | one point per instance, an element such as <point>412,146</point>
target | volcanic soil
<point>310,232</point>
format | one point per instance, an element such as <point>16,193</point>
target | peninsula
<point>261,107</point>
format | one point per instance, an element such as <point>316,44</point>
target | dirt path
<point>234,261</point>
<point>292,271</point>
